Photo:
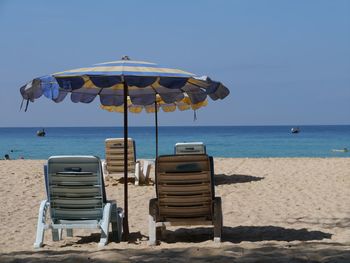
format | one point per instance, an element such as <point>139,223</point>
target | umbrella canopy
<point>125,84</point>
<point>106,80</point>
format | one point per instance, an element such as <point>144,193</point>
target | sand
<point>275,210</point>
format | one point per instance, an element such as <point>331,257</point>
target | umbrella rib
<point>154,89</point>
<point>99,91</point>
<point>196,85</point>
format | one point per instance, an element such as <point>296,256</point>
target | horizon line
<point>146,126</point>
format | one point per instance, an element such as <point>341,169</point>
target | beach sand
<point>275,210</point>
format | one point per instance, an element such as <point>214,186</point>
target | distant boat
<point>41,133</point>
<point>344,150</point>
<point>295,130</point>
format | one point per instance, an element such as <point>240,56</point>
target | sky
<point>285,62</point>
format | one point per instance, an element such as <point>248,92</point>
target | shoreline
<point>151,125</point>
<point>222,158</point>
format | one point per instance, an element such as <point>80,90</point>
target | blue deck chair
<point>76,199</point>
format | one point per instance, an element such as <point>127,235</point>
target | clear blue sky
<point>285,62</point>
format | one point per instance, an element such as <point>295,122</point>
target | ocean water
<point>221,141</point>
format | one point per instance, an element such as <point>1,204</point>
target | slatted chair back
<point>75,188</point>
<point>115,155</point>
<point>184,187</point>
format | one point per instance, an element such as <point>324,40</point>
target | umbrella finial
<point>125,58</point>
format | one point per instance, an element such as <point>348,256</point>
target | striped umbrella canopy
<point>144,81</point>
<point>127,85</point>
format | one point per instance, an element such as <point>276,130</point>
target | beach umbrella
<point>126,85</point>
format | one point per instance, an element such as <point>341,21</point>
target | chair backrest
<point>115,155</point>
<point>184,186</point>
<point>190,148</point>
<point>75,188</point>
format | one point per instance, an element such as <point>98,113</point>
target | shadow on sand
<point>235,179</point>
<point>305,252</point>
<point>134,238</point>
<point>271,252</point>
<point>230,234</point>
<point>244,233</point>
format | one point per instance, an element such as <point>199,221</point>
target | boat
<point>41,133</point>
<point>295,130</point>
<point>344,150</point>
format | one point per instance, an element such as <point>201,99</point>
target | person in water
<point>7,157</point>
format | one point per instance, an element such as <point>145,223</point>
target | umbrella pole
<point>126,146</point>
<point>156,122</point>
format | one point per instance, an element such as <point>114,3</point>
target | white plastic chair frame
<point>110,212</point>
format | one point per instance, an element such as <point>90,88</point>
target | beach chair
<point>190,148</point>
<point>114,163</point>
<point>76,200</point>
<point>185,195</point>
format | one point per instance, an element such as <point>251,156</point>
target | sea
<point>220,141</point>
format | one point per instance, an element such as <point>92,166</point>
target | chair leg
<point>152,229</point>
<point>160,231</point>
<point>120,213</point>
<point>40,231</point>
<point>146,170</point>
<point>163,229</point>
<point>69,232</point>
<point>56,234</point>
<point>218,220</point>
<point>105,225</point>
<point>138,173</point>
<point>116,220</point>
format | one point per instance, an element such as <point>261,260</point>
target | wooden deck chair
<point>114,163</point>
<point>77,199</point>
<point>185,195</point>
